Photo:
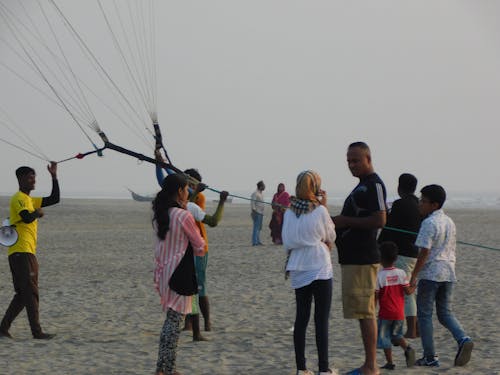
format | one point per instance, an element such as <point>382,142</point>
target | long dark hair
<point>166,199</point>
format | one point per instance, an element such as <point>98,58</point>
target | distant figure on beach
<point>196,206</point>
<point>24,214</point>
<point>405,216</point>
<point>280,202</point>
<point>257,206</point>
<point>176,233</point>
<point>363,214</point>
<point>392,286</point>
<point>308,236</point>
<point>435,272</point>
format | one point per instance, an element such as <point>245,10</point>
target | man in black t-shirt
<point>405,217</point>
<point>363,214</point>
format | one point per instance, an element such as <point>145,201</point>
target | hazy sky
<point>251,90</point>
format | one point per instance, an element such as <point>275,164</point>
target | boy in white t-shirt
<point>392,285</point>
<point>435,272</point>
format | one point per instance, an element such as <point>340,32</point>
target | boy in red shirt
<point>392,285</point>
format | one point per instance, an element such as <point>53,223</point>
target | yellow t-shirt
<point>26,242</point>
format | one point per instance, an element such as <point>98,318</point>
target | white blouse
<point>304,237</point>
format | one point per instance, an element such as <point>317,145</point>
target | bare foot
<point>200,338</point>
<point>366,371</point>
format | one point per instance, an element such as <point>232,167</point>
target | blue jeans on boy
<point>257,226</point>
<point>442,294</point>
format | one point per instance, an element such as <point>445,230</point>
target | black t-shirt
<point>404,215</point>
<point>357,245</point>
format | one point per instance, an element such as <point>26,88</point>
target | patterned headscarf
<point>308,185</point>
<point>302,206</point>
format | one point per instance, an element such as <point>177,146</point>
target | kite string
<point>44,78</point>
<point>68,90</point>
<point>23,149</point>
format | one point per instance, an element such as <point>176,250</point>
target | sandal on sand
<point>389,366</point>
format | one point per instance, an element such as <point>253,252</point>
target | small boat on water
<point>140,198</point>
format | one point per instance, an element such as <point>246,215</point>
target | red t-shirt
<point>391,294</point>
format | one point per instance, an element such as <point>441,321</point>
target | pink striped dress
<point>168,254</point>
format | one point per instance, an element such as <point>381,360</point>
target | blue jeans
<point>321,290</point>
<point>257,226</point>
<point>442,294</point>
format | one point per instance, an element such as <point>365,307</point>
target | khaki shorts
<point>358,290</point>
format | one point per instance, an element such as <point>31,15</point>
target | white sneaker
<point>305,372</point>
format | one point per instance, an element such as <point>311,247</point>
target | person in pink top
<point>175,229</point>
<point>281,201</point>
<point>392,285</point>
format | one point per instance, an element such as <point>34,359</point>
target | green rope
<point>240,197</point>
<point>388,228</point>
<point>460,242</point>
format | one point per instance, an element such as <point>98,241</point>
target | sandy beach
<point>97,295</point>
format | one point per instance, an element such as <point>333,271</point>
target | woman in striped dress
<point>175,228</point>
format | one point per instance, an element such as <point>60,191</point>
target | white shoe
<point>305,372</point>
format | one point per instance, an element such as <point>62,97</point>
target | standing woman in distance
<point>175,229</point>
<point>281,201</point>
<point>308,236</point>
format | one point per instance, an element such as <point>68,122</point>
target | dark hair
<point>435,194</point>
<point>361,145</point>
<point>388,252</point>
<point>260,184</point>
<point>23,171</point>
<point>193,173</point>
<point>407,183</point>
<point>166,199</point>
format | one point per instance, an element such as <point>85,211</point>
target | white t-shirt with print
<point>438,234</point>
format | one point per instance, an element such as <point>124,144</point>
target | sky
<point>263,89</point>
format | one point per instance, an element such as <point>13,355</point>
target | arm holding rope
<point>213,220</point>
<point>54,196</point>
<point>160,175</point>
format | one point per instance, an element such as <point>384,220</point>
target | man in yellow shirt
<point>24,214</point>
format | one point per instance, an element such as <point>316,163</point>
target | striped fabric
<point>168,254</point>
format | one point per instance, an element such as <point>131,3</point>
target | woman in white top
<point>308,236</point>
